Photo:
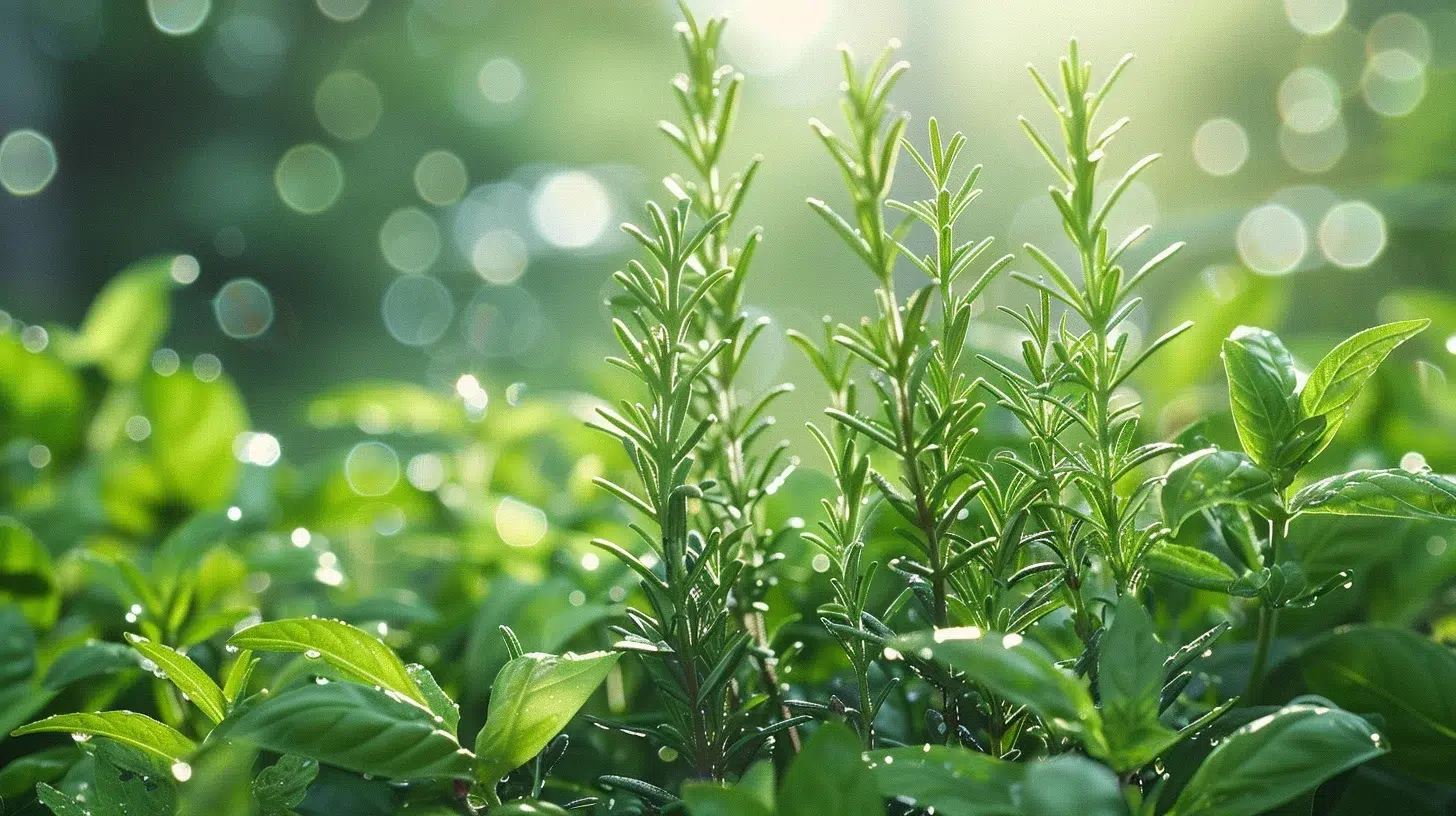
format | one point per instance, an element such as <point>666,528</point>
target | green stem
<point>1268,617</point>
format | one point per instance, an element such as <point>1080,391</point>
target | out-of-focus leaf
<point>1276,758</point>
<point>955,781</point>
<point>126,727</point>
<point>710,799</point>
<point>281,786</point>
<point>89,660</point>
<point>1070,784</point>
<point>1403,676</point>
<point>187,676</point>
<point>220,782</point>
<point>1019,671</point>
<point>127,320</point>
<point>388,407</point>
<point>20,776</point>
<point>355,727</point>
<point>27,578</point>
<point>1338,378</point>
<point>829,776</point>
<point>194,425</point>
<point>534,696</point>
<point>1262,383</point>
<point>1130,676</point>
<point>1191,566</point>
<point>1210,477</point>
<point>359,654</point>
<point>1394,493</point>
<point>41,399</point>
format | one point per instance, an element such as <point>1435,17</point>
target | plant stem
<point>1268,617</point>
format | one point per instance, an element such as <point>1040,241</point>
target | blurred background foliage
<point>375,240</point>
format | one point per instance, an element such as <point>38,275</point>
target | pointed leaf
<point>191,680</point>
<point>1210,477</point>
<point>1337,379</point>
<point>361,655</point>
<point>126,727</point>
<point>954,781</point>
<point>1261,383</point>
<point>1394,493</point>
<point>829,776</point>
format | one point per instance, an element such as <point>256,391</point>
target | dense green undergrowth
<point>1060,615</point>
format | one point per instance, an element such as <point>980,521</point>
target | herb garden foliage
<point>1050,626</point>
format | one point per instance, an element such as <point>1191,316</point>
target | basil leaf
<point>1071,784</point>
<point>357,653</point>
<point>1022,672</point>
<point>830,776</point>
<point>439,702</point>
<point>1403,676</point>
<point>126,727</point>
<point>1130,677</point>
<point>1275,759</point>
<point>59,803</point>
<point>710,799</point>
<point>89,660</point>
<point>189,679</point>
<point>281,786</point>
<point>1191,566</point>
<point>127,320</point>
<point>357,728</point>
<point>954,781</point>
<point>534,696</point>
<point>1337,379</point>
<point>1211,477</point>
<point>1393,493</point>
<point>1261,383</point>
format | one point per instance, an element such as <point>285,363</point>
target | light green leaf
<point>1261,383</point>
<point>1130,675</point>
<point>713,799</point>
<point>1405,677</point>
<point>359,654</point>
<point>89,660</point>
<point>1191,566</point>
<point>281,786</point>
<point>830,776</point>
<point>127,320</point>
<point>187,676</point>
<point>1337,379</point>
<point>59,803</point>
<point>439,702</point>
<point>41,398</point>
<point>1021,672</point>
<point>27,578</point>
<point>126,727</point>
<point>1211,477</point>
<point>1394,493</point>
<point>955,781</point>
<point>357,728</point>
<point>534,696</point>
<point>401,407</point>
<point>1275,758</point>
<point>194,425</point>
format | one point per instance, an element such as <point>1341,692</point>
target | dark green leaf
<point>1210,477</point>
<point>359,654</point>
<point>830,776</point>
<point>1395,493</point>
<point>1261,383</point>
<point>439,702</point>
<point>126,727</point>
<point>358,728</point>
<point>711,799</point>
<point>1405,677</point>
<point>130,782</point>
<point>1130,677</point>
<point>1191,566</point>
<point>1275,759</point>
<point>20,776</point>
<point>27,578</point>
<point>1337,379</point>
<point>59,803</point>
<point>534,696</point>
<point>1069,784</point>
<point>955,781</point>
<point>281,786</point>
<point>87,661</point>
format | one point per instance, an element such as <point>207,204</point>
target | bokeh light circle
<point>1400,31</point>
<point>244,309</point>
<point>348,105</point>
<point>1314,152</point>
<point>343,11</point>
<point>500,80</point>
<point>27,162</point>
<point>178,17</point>
<point>1272,240</point>
<point>410,240</point>
<point>1309,100</point>
<point>309,178</point>
<point>1220,147</point>
<point>441,178</point>
<point>1352,234</point>
<point>503,321</point>
<point>1315,16</point>
<point>371,468</point>
<point>500,256</point>
<point>417,310</point>
<point>571,209</point>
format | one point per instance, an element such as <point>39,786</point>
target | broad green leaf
<point>59,803</point>
<point>127,320</point>
<point>27,578</point>
<point>89,660</point>
<point>830,776</point>
<point>1395,493</point>
<point>126,727</point>
<point>17,649</point>
<point>1276,758</point>
<point>187,676</point>
<point>41,398</point>
<point>1191,566</point>
<point>711,799</point>
<point>281,786</point>
<point>1405,677</point>
<point>1337,379</point>
<point>355,727</point>
<point>216,785</point>
<point>186,545</point>
<point>194,425</point>
<point>955,781</point>
<point>359,654</point>
<point>534,696</point>
<point>1211,477</point>
<point>1130,676</point>
<point>20,776</point>
<point>1021,672</point>
<point>438,701</point>
<point>1261,382</point>
<point>1069,784</point>
<point>130,782</point>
